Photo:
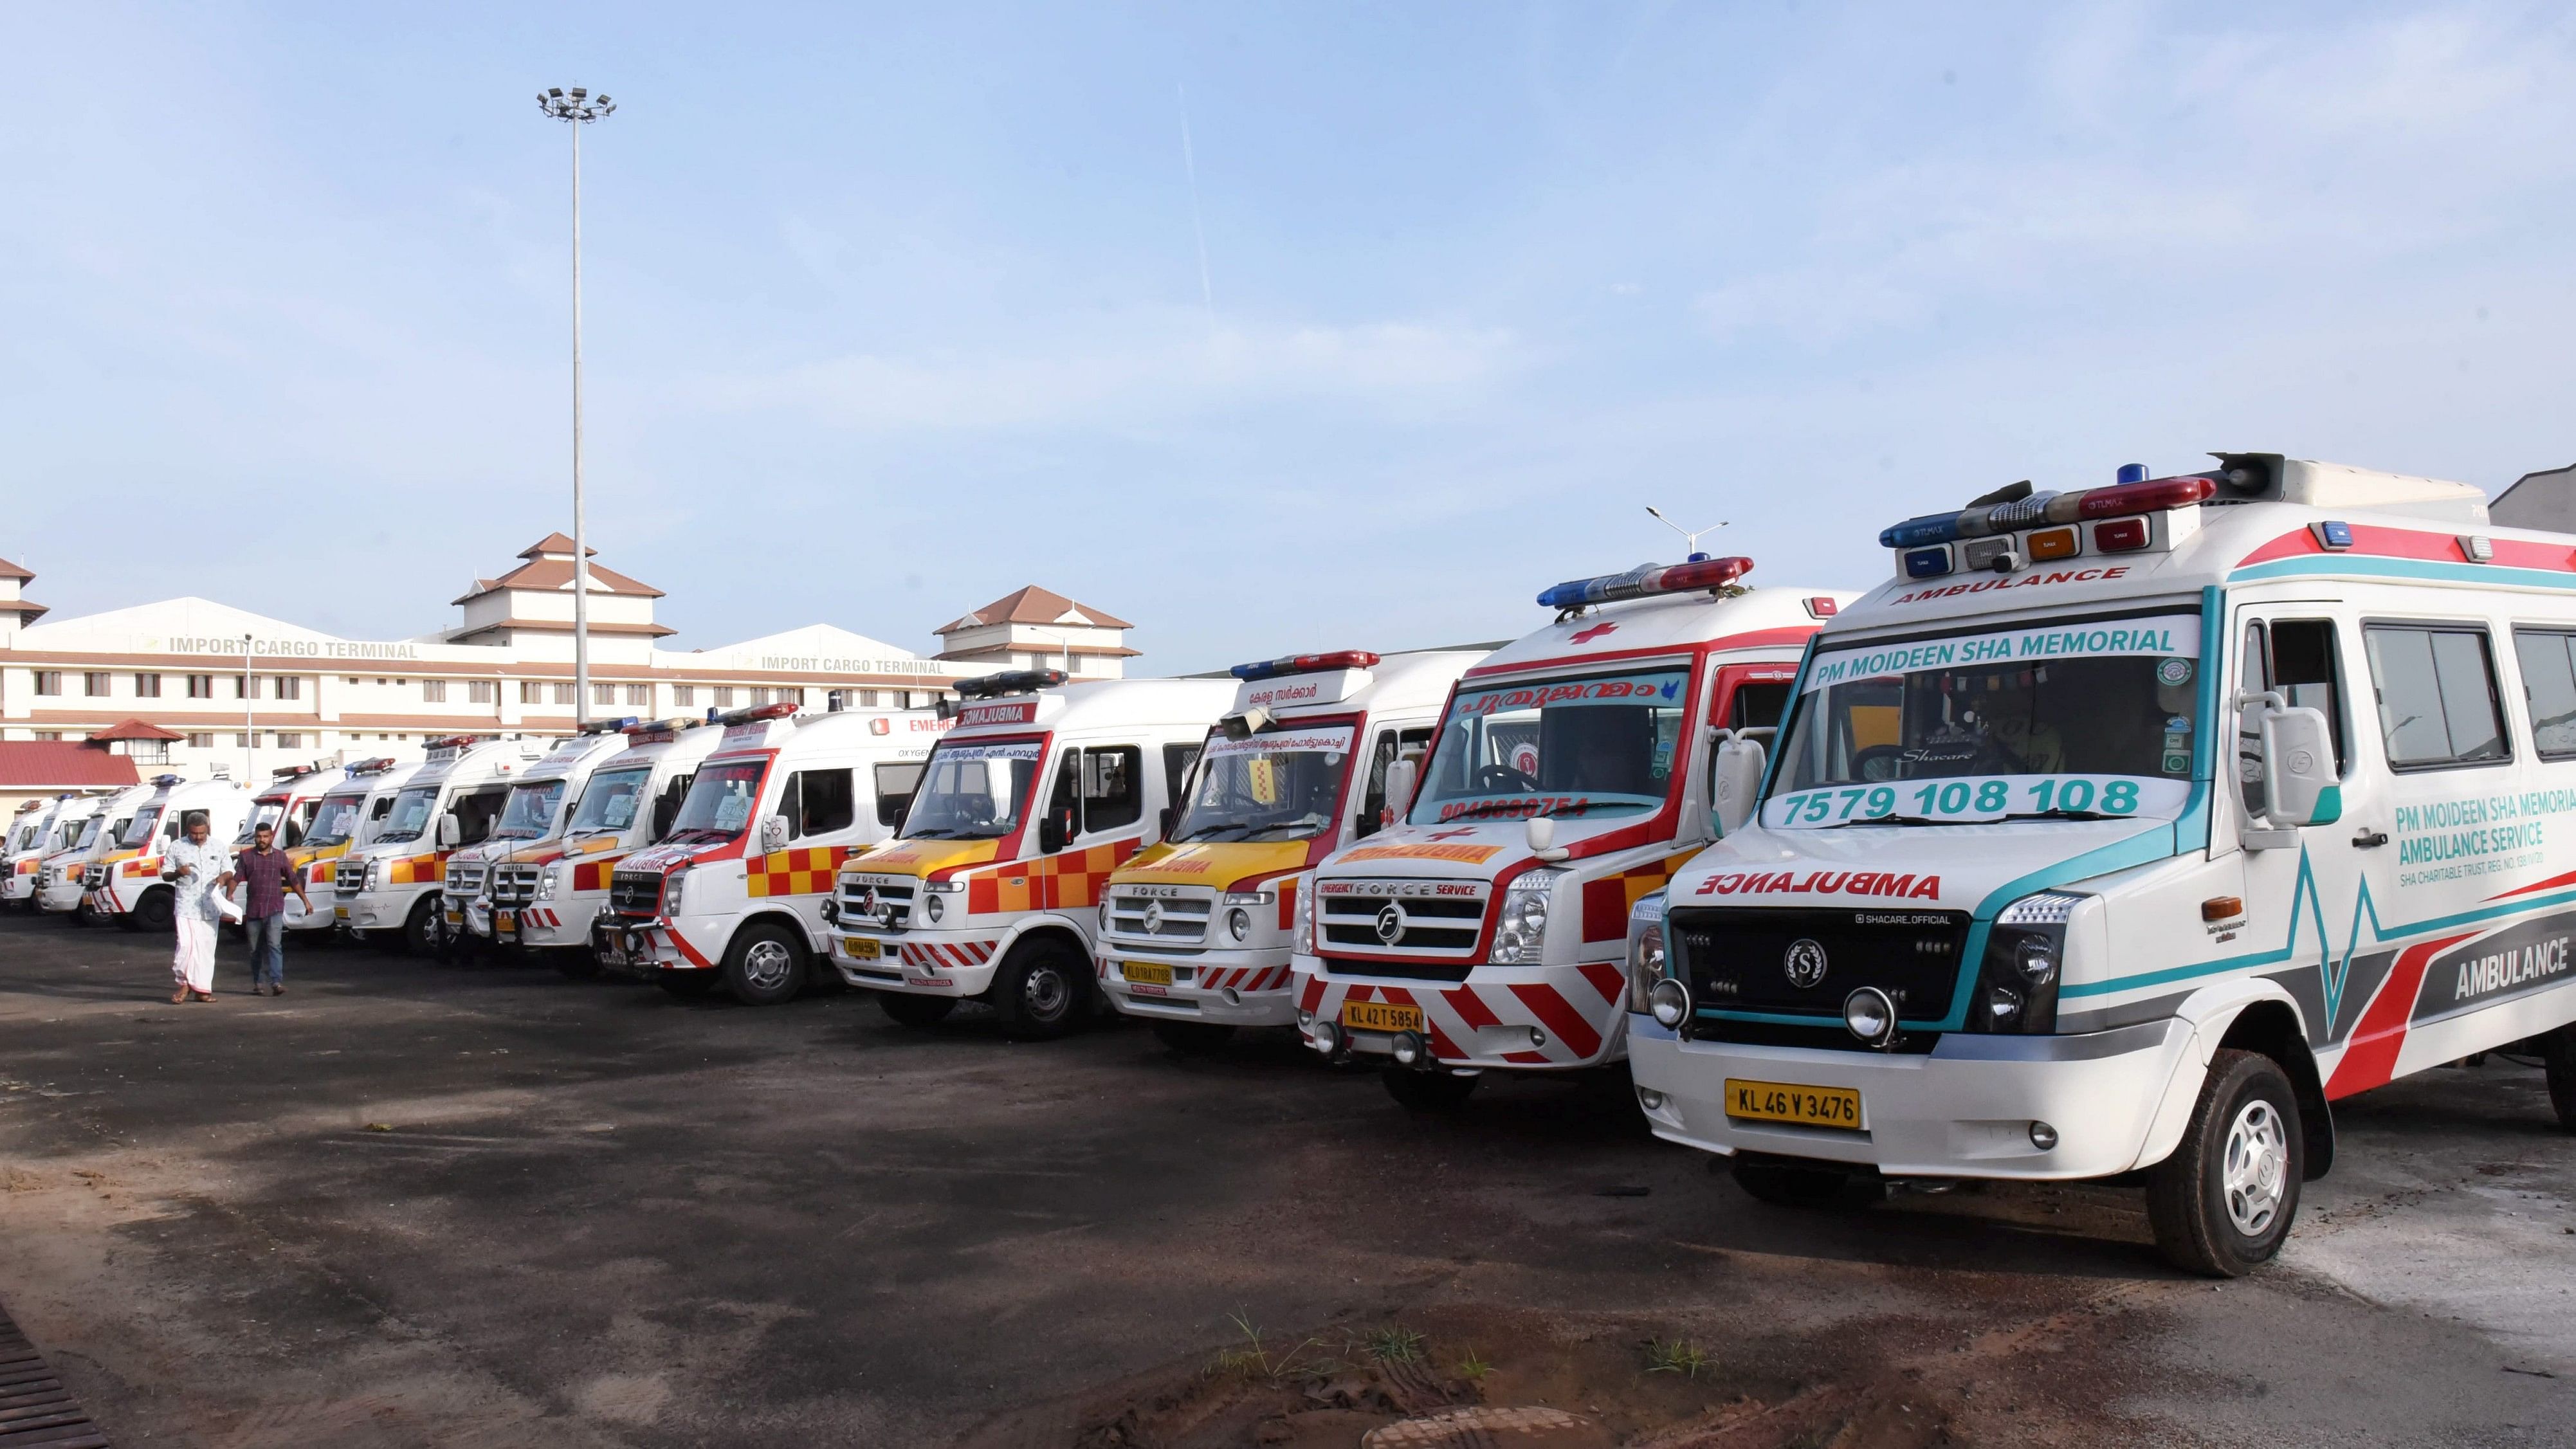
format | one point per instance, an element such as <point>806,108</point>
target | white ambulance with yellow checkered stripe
<point>734,893</point>
<point>992,888</point>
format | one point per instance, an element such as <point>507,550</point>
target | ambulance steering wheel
<point>1495,779</point>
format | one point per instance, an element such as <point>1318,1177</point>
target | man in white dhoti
<point>195,866</point>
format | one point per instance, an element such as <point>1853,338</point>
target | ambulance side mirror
<point>1735,779</point>
<point>1050,834</point>
<point>1401,776</point>
<point>1540,834</point>
<point>1164,822</point>
<point>450,831</point>
<point>2299,784</point>
<point>773,833</point>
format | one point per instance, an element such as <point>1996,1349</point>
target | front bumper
<point>644,945</point>
<point>1500,1018</point>
<point>374,910</point>
<point>1964,1109</point>
<point>924,963</point>
<point>1245,987</point>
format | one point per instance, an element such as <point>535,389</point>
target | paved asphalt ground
<point>604,1217</point>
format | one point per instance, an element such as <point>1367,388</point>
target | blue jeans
<point>267,936</point>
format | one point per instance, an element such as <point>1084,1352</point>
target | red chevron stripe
<point>1561,1018</point>
<point>1471,1008</point>
<point>2372,1057</point>
<point>1607,979</point>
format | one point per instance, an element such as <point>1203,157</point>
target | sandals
<point>179,997</point>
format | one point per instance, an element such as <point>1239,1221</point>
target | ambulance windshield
<point>720,802</point>
<point>972,791</point>
<point>336,821</point>
<point>610,800</point>
<point>2085,721</point>
<point>410,815</point>
<point>530,809</point>
<point>1279,785</point>
<point>138,830</point>
<point>266,812</point>
<point>1592,745</point>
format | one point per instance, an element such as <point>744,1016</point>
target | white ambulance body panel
<point>546,893</point>
<point>42,828</point>
<point>62,880</point>
<point>541,799</point>
<point>126,884</point>
<point>391,884</point>
<point>348,815</point>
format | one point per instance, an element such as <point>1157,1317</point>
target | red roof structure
<point>1034,605</point>
<point>61,764</point>
<point>549,566</point>
<point>135,729</point>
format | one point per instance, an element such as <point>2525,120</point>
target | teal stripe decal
<point>2370,566</point>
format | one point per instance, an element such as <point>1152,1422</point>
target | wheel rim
<point>2257,1168</point>
<point>766,965</point>
<point>1045,992</point>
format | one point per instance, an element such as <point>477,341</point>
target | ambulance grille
<point>1742,960</point>
<point>1179,917</point>
<point>463,879</point>
<point>635,893</point>
<point>878,901</point>
<point>515,885</point>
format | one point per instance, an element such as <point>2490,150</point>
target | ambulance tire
<point>1194,1038</point>
<point>156,913</point>
<point>765,965</point>
<point>1042,991</point>
<point>686,985</point>
<point>1428,1091</point>
<point>1798,1183</point>
<point>2223,1203</point>
<point>2558,1065</point>
<point>906,1009</point>
<point>420,933</point>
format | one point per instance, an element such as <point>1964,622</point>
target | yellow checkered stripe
<point>416,870</point>
<point>1065,881</point>
<point>806,872</point>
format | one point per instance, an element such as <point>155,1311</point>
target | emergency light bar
<point>780,710</point>
<point>1305,664</point>
<point>610,726</point>
<point>449,742</point>
<point>166,781</point>
<point>1009,681</point>
<point>283,772</point>
<point>378,765</point>
<point>1647,579</point>
<point>2118,501</point>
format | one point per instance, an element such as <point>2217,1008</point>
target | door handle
<point>2370,839</point>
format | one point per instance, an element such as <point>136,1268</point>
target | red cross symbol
<point>1450,834</point>
<point>1596,631</point>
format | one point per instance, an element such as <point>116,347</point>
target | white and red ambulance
<point>41,828</point>
<point>544,896</point>
<point>735,892</point>
<point>992,888</point>
<point>539,802</point>
<point>1194,930</point>
<point>388,890</point>
<point>1574,770</point>
<point>288,806</point>
<point>348,811</point>
<point>126,886</point>
<point>62,887</point>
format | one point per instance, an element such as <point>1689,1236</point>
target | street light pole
<point>250,722</point>
<point>578,107</point>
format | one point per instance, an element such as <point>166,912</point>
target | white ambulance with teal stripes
<point>2125,831</point>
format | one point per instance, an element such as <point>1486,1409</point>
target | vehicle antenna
<point>1690,536</point>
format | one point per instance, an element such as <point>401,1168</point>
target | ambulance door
<point>820,803</point>
<point>1099,801</point>
<point>2461,842</point>
<point>2303,884</point>
<point>1389,745</point>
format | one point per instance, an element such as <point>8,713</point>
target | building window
<point>241,686</point>
<point>147,686</point>
<point>94,685</point>
<point>289,740</point>
<point>724,696</point>
<point>287,686</point>
<point>640,694</point>
<point>49,734</point>
<point>353,679</point>
<point>241,741</point>
<point>201,686</point>
<point>148,752</point>
<point>867,699</point>
<point>483,691</point>
<point>433,691</point>
<point>531,692</point>
<point>563,694</point>
<point>201,740</point>
<point>759,697</point>
<point>684,694</point>
<point>49,681</point>
<point>603,694</point>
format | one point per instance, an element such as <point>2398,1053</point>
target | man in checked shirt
<point>266,874</point>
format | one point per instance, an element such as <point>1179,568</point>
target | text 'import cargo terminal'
<point>199,688</point>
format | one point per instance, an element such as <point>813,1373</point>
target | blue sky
<point>893,309</point>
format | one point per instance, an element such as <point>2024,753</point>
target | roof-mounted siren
<point>167,781</point>
<point>618,725</point>
<point>1305,664</point>
<point>2016,526</point>
<point>1716,575</point>
<point>376,766</point>
<point>756,713</point>
<point>1009,681</point>
<point>448,742</point>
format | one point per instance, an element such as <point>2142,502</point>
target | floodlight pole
<point>580,108</point>
<point>250,706</point>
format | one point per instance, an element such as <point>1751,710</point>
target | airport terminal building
<point>200,688</point>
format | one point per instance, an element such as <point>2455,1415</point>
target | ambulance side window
<point>1113,787</point>
<point>824,804</point>
<point>2437,695</point>
<point>2548,660</point>
<point>1391,745</point>
<point>1177,760</point>
<point>667,808</point>
<point>895,786</point>
<point>1757,705</point>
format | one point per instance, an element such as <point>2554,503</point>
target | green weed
<point>1678,1356</point>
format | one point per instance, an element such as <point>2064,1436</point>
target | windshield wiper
<point>1897,820</point>
<point>1307,826</point>
<point>2060,812</point>
<point>1209,832</point>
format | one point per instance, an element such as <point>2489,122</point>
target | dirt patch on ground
<point>1636,1381</point>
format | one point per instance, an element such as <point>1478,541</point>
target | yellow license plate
<point>1152,973</point>
<point>1381,1016</point>
<point>340,913</point>
<point>861,948</point>
<point>1787,1102</point>
<point>505,920</point>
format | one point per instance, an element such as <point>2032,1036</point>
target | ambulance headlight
<point>1521,937</point>
<point>1645,950</point>
<point>1670,1003</point>
<point>2025,962</point>
<point>674,889</point>
<point>547,880</point>
<point>1238,924</point>
<point>375,875</point>
<point>831,910</point>
<point>2036,958</point>
<point>934,907</point>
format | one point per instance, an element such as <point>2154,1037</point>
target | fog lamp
<point>2043,1136</point>
<point>1327,1036</point>
<point>1670,1002</point>
<point>1238,924</point>
<point>2003,1006</point>
<point>1409,1050</point>
<point>1869,1015</point>
<point>1650,1099</point>
<point>934,908</point>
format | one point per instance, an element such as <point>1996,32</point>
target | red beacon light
<point>757,713</point>
<point>1305,664</point>
<point>1647,580</point>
